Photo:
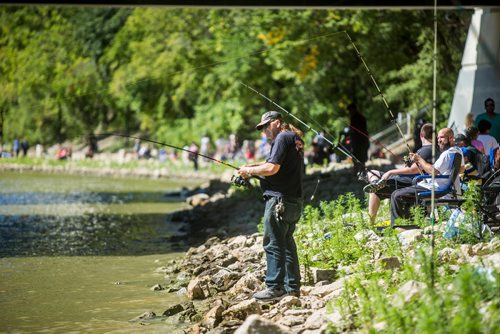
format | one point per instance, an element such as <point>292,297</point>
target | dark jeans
<point>394,183</point>
<point>401,201</point>
<point>279,245</point>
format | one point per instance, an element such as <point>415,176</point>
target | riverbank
<point>226,272</point>
<point>340,257</point>
<point>220,275</point>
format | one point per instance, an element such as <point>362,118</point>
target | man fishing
<point>281,181</point>
<point>382,185</point>
<point>443,166</point>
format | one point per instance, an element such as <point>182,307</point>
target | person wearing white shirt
<point>443,166</point>
<point>484,136</point>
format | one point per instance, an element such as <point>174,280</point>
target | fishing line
<point>376,142</point>
<point>235,179</point>
<point>393,120</point>
<point>434,98</point>
<point>164,144</point>
<point>338,145</point>
<point>386,104</point>
<point>314,192</point>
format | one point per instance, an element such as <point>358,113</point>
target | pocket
<point>293,211</point>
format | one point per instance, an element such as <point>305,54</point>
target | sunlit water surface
<point>80,253</point>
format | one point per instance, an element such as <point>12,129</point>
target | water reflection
<point>37,198</point>
<point>89,234</point>
<point>46,214</point>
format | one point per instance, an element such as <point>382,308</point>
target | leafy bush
<point>325,235</point>
<point>448,299</point>
<point>465,303</point>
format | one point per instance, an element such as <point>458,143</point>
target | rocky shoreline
<point>220,275</point>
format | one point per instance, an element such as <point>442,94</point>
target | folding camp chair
<point>489,201</point>
<point>447,194</point>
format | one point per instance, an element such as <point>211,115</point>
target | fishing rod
<point>236,179</point>
<point>393,120</point>
<point>338,146</point>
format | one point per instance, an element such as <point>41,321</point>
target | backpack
<point>480,161</point>
<point>483,164</point>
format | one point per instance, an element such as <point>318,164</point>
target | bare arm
<point>262,169</point>
<point>424,165</point>
<point>413,169</point>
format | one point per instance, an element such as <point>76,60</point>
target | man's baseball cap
<point>266,118</point>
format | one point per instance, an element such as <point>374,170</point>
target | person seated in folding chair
<point>382,185</point>
<point>446,165</point>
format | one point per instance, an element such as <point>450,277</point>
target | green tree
<point>174,73</point>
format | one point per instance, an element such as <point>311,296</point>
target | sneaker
<point>270,294</point>
<point>374,186</point>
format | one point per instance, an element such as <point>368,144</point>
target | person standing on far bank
<point>281,181</point>
<point>490,116</point>
<point>359,138</point>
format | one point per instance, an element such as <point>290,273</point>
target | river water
<point>80,253</point>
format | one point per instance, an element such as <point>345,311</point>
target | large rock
<point>173,310</point>
<point>145,316</point>
<point>224,279</point>
<point>243,310</point>
<point>292,320</point>
<point>391,262</point>
<point>256,324</point>
<point>447,255</point>
<point>198,199</point>
<point>213,317</point>
<point>246,284</point>
<point>481,249</point>
<point>249,254</point>
<point>408,292</point>
<point>323,274</point>
<point>367,236</point>
<point>321,317</point>
<point>324,290</point>
<point>197,289</point>
<point>237,242</point>
<point>406,238</point>
<point>288,302</point>
<point>492,261</point>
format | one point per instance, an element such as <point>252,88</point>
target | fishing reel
<point>240,181</point>
<point>408,161</point>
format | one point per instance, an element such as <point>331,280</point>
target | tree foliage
<point>175,74</point>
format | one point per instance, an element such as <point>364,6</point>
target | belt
<point>283,198</point>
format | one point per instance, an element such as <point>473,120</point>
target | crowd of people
<point>280,176</point>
